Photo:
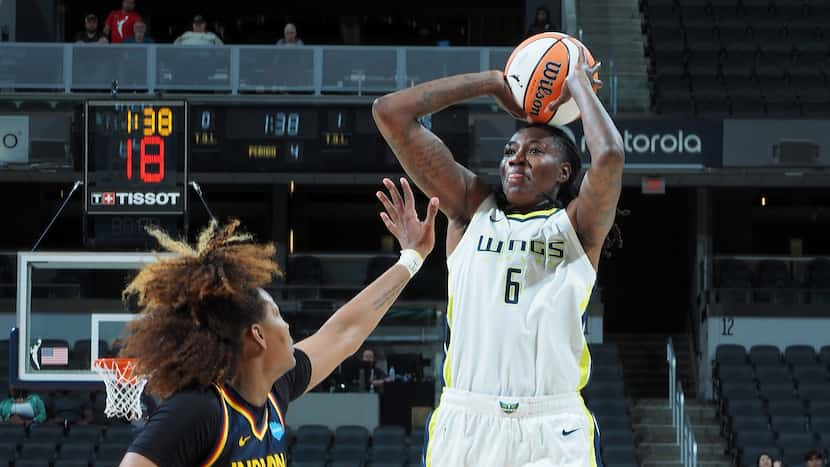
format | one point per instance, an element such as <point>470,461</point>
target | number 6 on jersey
<point>511,288</point>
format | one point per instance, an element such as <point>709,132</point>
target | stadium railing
<point>685,436</point>
<point>313,70</point>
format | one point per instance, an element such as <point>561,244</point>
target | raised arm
<point>424,157</point>
<point>343,334</point>
<point>592,212</point>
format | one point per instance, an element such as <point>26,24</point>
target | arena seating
<point>772,282</point>
<point>311,445</point>
<point>59,446</point>
<point>739,57</point>
<point>773,402</point>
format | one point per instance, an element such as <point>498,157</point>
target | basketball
<point>536,72</point>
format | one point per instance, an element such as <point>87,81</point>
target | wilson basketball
<point>536,72</point>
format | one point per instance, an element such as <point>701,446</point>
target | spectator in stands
<point>542,22</point>
<point>119,23</point>
<point>764,460</point>
<point>375,377</point>
<point>139,34</point>
<point>199,35</point>
<point>22,408</point>
<point>90,34</point>
<point>814,459</point>
<point>289,36</point>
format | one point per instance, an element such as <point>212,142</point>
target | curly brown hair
<point>195,307</point>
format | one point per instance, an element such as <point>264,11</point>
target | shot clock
<point>135,159</point>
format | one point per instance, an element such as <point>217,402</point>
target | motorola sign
<point>665,142</point>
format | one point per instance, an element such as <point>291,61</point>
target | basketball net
<point>123,388</point>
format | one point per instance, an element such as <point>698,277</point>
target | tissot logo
<point>109,198</point>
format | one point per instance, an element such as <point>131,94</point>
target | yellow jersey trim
<point>544,213</point>
<point>237,406</point>
<point>223,439</point>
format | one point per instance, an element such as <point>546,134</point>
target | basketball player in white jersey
<point>522,260</point>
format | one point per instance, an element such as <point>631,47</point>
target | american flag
<point>54,356</point>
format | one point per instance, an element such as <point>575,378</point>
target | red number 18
<point>146,159</point>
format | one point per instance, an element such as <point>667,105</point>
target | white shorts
<point>475,430</point>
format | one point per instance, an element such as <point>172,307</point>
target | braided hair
<point>569,189</point>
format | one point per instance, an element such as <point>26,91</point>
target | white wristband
<point>411,260</point>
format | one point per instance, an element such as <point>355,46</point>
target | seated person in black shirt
<point>90,32</point>
<point>374,376</point>
<point>214,347</point>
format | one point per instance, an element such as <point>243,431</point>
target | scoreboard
<point>304,138</point>
<point>135,157</point>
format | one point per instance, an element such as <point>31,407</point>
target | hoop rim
<point>109,362</point>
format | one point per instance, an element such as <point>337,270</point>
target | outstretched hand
<point>401,218</point>
<point>579,75</point>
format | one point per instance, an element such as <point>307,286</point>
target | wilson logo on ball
<point>545,87</point>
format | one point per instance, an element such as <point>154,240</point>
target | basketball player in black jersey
<point>215,348</point>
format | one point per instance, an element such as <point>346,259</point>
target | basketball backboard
<point>69,312</point>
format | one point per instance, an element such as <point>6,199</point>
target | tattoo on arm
<point>389,296</point>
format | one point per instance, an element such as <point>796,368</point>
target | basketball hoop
<point>123,388</point>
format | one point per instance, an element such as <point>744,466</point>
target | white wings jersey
<point>519,285</point>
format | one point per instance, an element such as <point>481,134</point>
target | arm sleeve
<point>39,409</point>
<point>183,431</point>
<point>294,383</point>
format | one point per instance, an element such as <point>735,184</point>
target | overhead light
<point>763,200</point>
<point>291,187</point>
<point>291,242</point>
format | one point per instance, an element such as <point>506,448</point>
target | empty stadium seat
<point>820,424</point>
<point>309,453</point>
<point>730,353</point>
<point>390,435</point>
<point>748,423</point>
<point>8,450</point>
<point>313,434</point>
<point>12,433</point>
<point>71,463</point>
<point>351,435</point>
<point>773,374</point>
<point>753,438</point>
<point>34,451</point>
<point>800,354</point>
<point>815,392</point>
<point>619,454</point>
<point>347,463</point>
<point>730,391</point>
<point>820,408</point>
<point>788,424</point>
<point>84,434</point>
<point>41,433</point>
<point>345,453</point>
<point>811,375</point>
<point>785,407</point>
<point>76,450</point>
<point>388,453</point>
<point>741,373</point>
<point>776,391</point>
<point>764,355</point>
